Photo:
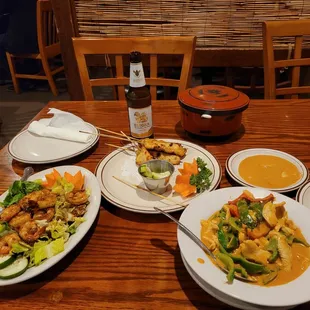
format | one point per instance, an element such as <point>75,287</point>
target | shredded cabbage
<point>73,227</point>
<point>62,187</point>
<point>57,228</point>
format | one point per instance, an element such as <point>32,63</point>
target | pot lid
<point>213,99</point>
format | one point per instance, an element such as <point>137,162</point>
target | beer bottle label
<point>141,122</point>
<point>137,78</point>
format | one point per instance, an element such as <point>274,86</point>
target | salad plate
<point>92,187</point>
<point>303,195</point>
<point>255,174</point>
<point>32,149</point>
<point>122,164</point>
<point>285,295</point>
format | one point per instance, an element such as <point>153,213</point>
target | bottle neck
<point>137,78</point>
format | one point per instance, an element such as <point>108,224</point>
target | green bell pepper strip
<point>272,247</point>
<point>270,277</point>
<point>242,271</point>
<point>227,240</point>
<point>233,224</point>
<point>302,241</point>
<point>251,268</point>
<point>229,264</point>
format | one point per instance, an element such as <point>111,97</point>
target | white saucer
<point>234,160</point>
<point>29,148</point>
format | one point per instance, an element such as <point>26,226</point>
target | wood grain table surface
<point>130,260</point>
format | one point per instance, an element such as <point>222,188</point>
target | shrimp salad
<point>38,218</point>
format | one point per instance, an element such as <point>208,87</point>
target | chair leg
<point>49,76</point>
<point>11,64</point>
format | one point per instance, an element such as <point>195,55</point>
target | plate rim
<point>177,208</point>
<point>279,190</point>
<point>63,254</point>
<point>300,193</point>
<point>236,294</point>
<point>52,160</point>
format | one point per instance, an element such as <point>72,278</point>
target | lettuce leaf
<point>18,190</point>
<point>20,247</point>
<point>62,187</point>
<point>45,249</point>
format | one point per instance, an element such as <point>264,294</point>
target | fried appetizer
<point>143,156</point>
<point>166,147</point>
<point>173,159</point>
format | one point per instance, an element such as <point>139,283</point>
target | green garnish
<point>202,179</point>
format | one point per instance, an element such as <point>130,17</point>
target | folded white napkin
<point>63,125</point>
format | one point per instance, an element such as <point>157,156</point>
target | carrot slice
<point>50,179</point>
<point>78,180</point>
<point>185,189</point>
<point>183,178</point>
<point>56,174</point>
<point>68,177</point>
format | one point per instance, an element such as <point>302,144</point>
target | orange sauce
<point>268,171</point>
<point>200,260</point>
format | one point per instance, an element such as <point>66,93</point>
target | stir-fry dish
<point>254,238</point>
<point>37,220</point>
<point>158,149</point>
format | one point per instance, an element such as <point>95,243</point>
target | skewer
<point>119,147</point>
<point>116,133</point>
<point>148,191</point>
<point>136,144</point>
<point>103,135</point>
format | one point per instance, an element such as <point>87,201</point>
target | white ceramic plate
<point>90,216</point>
<point>223,297</point>
<point>234,160</point>
<point>303,195</point>
<point>122,164</point>
<point>29,148</point>
<point>203,207</point>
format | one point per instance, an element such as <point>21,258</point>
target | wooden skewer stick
<point>115,133</point>
<point>135,143</point>
<point>148,191</point>
<point>119,147</point>
<point>103,135</point>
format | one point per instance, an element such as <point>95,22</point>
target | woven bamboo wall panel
<point>216,23</point>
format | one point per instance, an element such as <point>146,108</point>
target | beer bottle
<point>139,100</point>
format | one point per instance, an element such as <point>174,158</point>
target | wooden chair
<point>297,29</point>
<point>49,47</point>
<point>123,46</point>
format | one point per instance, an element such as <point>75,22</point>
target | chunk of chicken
<point>173,159</point>
<point>209,237</point>
<point>162,146</point>
<point>143,156</point>
<point>251,251</point>
<point>273,212</point>
<point>285,253</point>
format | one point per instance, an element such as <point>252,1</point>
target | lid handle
<point>206,116</point>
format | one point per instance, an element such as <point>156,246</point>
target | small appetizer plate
<point>122,165</point>
<point>303,195</point>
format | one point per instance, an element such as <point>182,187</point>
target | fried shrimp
<point>30,231</point>
<point>21,218</point>
<point>7,241</point>
<point>39,199</point>
<point>9,212</point>
<point>44,214</point>
<point>77,198</point>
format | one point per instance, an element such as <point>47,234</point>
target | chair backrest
<point>48,40</point>
<point>119,47</point>
<point>297,29</point>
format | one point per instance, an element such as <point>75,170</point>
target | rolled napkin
<point>63,125</point>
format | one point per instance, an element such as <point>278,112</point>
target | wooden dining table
<point>130,260</point>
